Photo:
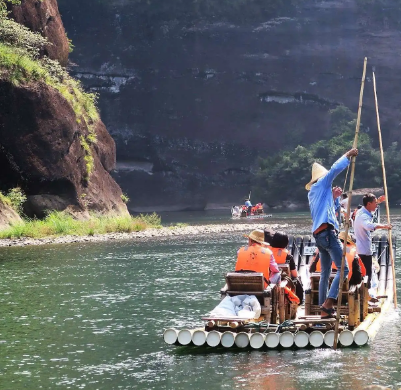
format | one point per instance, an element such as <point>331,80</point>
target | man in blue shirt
<point>325,228</point>
<point>249,205</point>
<point>363,226</point>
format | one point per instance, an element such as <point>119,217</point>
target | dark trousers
<point>367,262</point>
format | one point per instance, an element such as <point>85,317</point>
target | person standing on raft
<point>325,228</point>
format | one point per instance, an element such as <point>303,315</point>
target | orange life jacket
<point>279,254</point>
<point>291,296</point>
<point>254,258</point>
<point>350,255</point>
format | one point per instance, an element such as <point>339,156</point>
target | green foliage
<point>17,199</point>
<point>282,177</point>
<point>61,223</point>
<point>20,62</point>
<point>89,161</point>
<point>3,7</point>
<point>125,198</point>
<point>4,199</point>
<point>18,36</point>
<point>70,44</point>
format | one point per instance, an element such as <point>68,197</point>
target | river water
<point>91,316</point>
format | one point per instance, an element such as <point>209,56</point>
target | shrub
<point>17,199</point>
<point>124,198</point>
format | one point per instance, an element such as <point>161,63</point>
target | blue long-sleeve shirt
<point>320,196</point>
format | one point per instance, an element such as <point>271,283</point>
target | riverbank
<point>151,233</point>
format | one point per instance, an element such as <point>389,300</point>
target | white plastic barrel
<point>199,337</point>
<point>361,337</point>
<point>185,336</point>
<point>329,338</point>
<point>286,339</point>
<point>346,338</point>
<point>316,339</point>
<point>227,339</point>
<point>242,340</point>
<point>170,336</point>
<point>213,338</point>
<point>301,339</point>
<point>272,340</point>
<point>257,340</point>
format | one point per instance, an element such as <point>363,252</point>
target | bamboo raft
<point>286,325</point>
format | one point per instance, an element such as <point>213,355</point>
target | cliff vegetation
<point>283,176</point>
<point>55,151</point>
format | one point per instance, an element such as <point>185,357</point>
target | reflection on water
<point>92,316</point>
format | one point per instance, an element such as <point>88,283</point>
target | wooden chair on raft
<point>253,283</point>
<point>354,301</point>
<point>273,299</point>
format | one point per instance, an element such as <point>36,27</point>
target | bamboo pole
<point>385,194</point>
<point>351,182</point>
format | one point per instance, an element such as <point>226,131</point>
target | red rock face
<point>40,151</point>
<point>44,17</point>
<point>7,215</point>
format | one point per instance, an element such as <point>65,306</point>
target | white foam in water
<point>227,339</point>
<point>257,340</point>
<point>301,339</point>
<point>272,340</point>
<point>316,339</point>
<point>286,339</point>
<point>242,340</point>
<point>199,337</point>
<point>329,338</point>
<point>213,338</point>
<point>185,336</point>
<point>346,338</point>
<point>361,337</point>
<point>170,336</point>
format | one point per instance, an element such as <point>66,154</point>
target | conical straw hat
<point>318,171</point>
<point>341,236</point>
<point>257,235</point>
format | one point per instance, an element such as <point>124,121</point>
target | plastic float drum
<point>185,336</point>
<point>361,337</point>
<point>170,336</point>
<point>242,340</point>
<point>346,338</point>
<point>199,337</point>
<point>286,339</point>
<point>257,340</point>
<point>301,339</point>
<point>316,339</point>
<point>213,338</point>
<point>329,338</point>
<point>272,340</point>
<point>227,339</point>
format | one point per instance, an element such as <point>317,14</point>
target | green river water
<point>91,316</point>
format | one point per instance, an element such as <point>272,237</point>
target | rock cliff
<point>193,93</point>
<point>47,147</point>
<point>44,17</point>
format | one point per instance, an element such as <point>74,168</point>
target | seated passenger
<point>355,265</point>
<point>258,257</point>
<point>278,244</point>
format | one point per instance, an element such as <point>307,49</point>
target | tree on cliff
<point>3,7</point>
<point>282,177</point>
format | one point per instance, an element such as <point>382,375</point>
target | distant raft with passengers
<point>249,212</point>
<point>270,317</point>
